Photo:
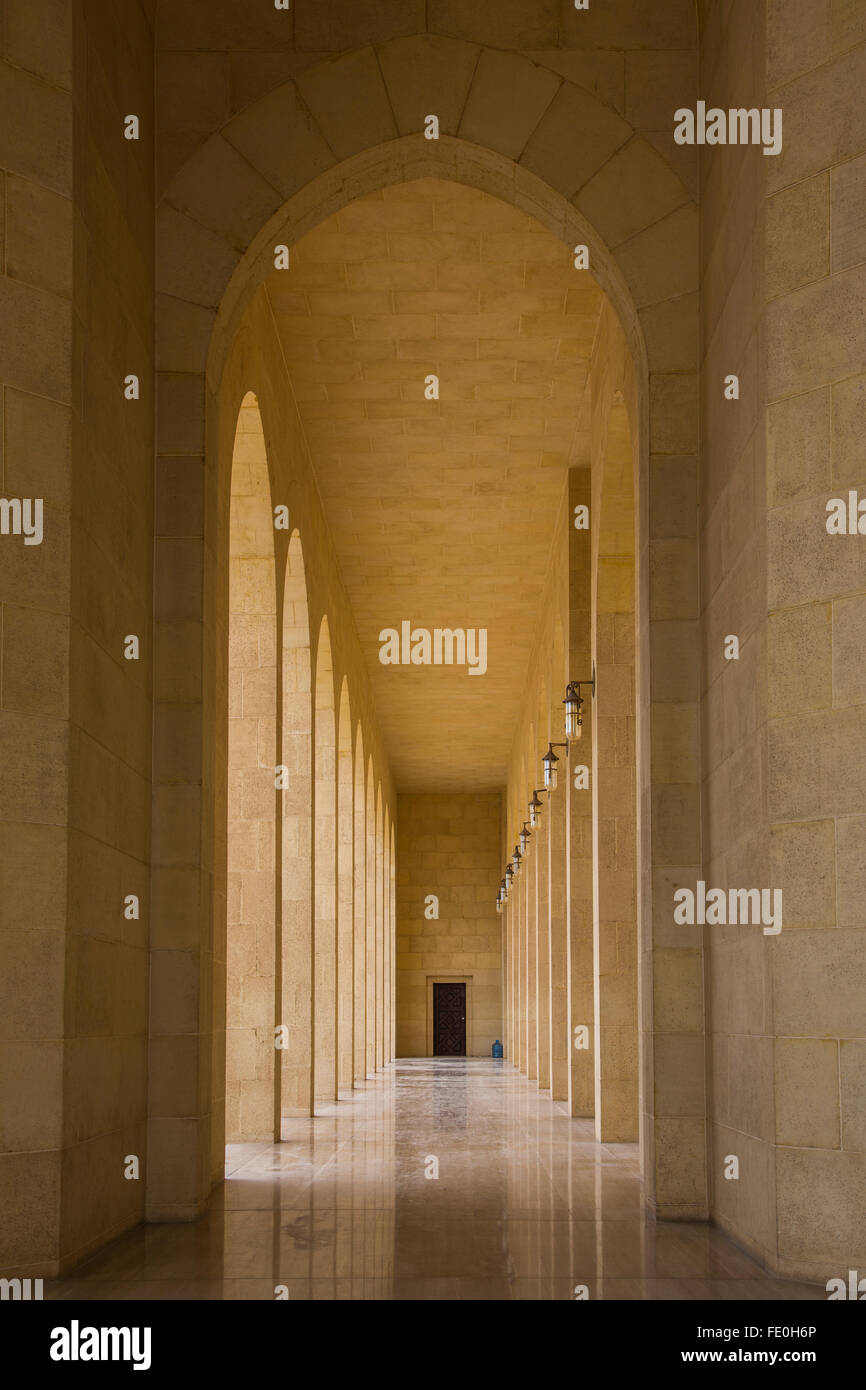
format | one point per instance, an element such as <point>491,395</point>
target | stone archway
<point>285,162</point>
<point>295,835</point>
<point>252,737</point>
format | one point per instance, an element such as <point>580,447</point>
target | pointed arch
<point>295,837</point>
<point>210,261</point>
<point>252,730</point>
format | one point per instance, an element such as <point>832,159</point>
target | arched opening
<point>345,895</point>
<point>325,884</point>
<point>339,438</point>
<point>252,739</point>
<point>645,279</point>
<point>614,792</point>
<point>296,838</point>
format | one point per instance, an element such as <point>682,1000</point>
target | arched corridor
<point>445,877</point>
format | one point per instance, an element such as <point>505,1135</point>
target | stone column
<point>558,950</point>
<point>386,939</point>
<point>543,1005</point>
<point>519,898</point>
<point>578,800</point>
<point>379,1041</point>
<point>36,602</point>
<point>529,872</point>
<point>370,1048</point>
<point>359,857</point>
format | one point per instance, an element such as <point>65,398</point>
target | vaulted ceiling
<point>442,511</point>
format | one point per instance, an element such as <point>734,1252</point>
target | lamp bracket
<point>590,682</point>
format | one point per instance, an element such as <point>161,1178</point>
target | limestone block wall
<point>78,319</point>
<point>815,308</point>
<point>783,734</point>
<point>735,845</point>
<point>111,752</point>
<point>36,294</point>
<point>448,846</point>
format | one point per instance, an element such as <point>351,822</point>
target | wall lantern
<point>515,860</point>
<point>549,762</point>
<point>535,806</point>
<point>524,839</point>
<point>573,702</point>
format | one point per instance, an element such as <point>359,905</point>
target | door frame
<point>449,980</point>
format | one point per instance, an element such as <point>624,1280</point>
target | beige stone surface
<point>467,551</point>
<point>448,846</point>
<point>259,647</point>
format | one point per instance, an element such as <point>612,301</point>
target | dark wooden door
<point>449,1020</point>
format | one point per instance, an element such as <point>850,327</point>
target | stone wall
<point>78,321</point>
<point>733,594</point>
<point>448,847</point>
<point>784,736</point>
<point>815,376</point>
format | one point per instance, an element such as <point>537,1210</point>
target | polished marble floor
<point>526,1205</point>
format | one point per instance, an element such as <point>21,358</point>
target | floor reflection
<point>526,1205</point>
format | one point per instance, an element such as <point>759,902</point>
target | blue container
<point>497,1048</point>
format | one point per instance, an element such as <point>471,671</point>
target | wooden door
<point>449,1020</point>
